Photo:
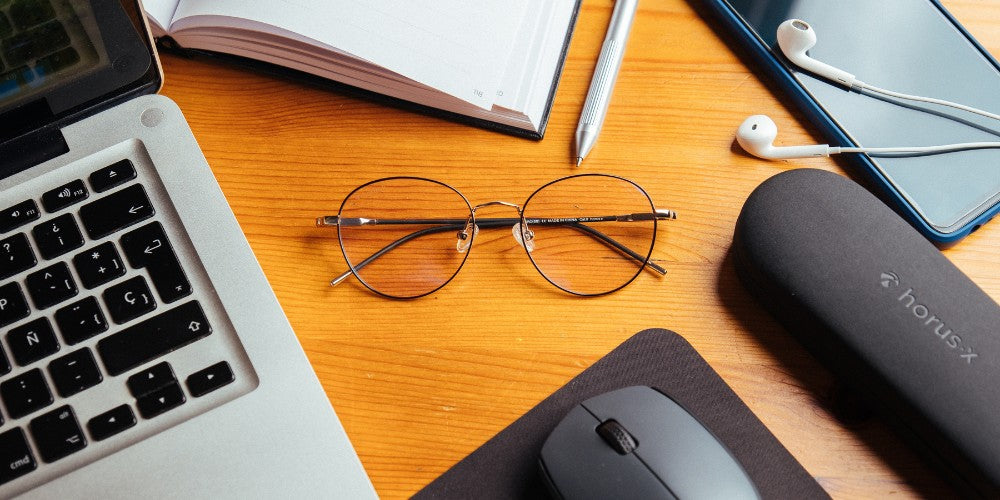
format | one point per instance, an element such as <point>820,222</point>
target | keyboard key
<point>4,366</point>
<point>32,341</point>
<point>129,300</point>
<point>205,381</point>
<point>81,320</point>
<point>148,247</point>
<point>111,176</point>
<point>25,393</point>
<point>28,13</point>
<point>98,265</point>
<point>57,61</point>
<point>15,255</point>
<point>152,338</point>
<point>111,422</point>
<point>57,434</point>
<point>16,459</point>
<point>18,215</point>
<point>162,400</point>
<point>13,306</point>
<point>116,211</point>
<point>64,196</point>
<point>51,285</point>
<point>75,372</point>
<point>151,379</point>
<point>57,236</point>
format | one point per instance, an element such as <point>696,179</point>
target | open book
<point>495,63</point>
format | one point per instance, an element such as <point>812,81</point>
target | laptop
<point>142,351</point>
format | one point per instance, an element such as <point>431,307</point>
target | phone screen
<point>906,46</point>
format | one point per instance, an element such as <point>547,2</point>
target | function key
<point>15,255</point>
<point>12,304</point>
<point>116,211</point>
<point>25,393</point>
<point>16,459</point>
<point>51,285</point>
<point>64,196</point>
<point>205,381</point>
<point>18,215</point>
<point>155,377</point>
<point>57,434</point>
<point>111,176</point>
<point>57,236</point>
<point>32,341</point>
<point>98,265</point>
<point>75,372</point>
<point>111,422</point>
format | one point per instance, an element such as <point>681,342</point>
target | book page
<point>160,13</point>
<point>459,47</point>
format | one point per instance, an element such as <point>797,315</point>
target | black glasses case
<point>884,310</point>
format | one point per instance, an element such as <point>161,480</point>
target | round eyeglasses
<point>406,237</point>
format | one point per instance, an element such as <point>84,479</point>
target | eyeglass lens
<point>582,257</point>
<point>416,223</point>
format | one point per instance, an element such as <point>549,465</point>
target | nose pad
<point>524,236</point>
<point>465,239</point>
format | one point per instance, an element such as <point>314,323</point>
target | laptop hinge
<point>30,150</point>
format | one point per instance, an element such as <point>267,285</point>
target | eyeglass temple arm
<point>453,224</point>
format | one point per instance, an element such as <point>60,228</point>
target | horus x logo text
<point>925,317</point>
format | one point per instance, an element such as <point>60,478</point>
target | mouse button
<point>580,465</point>
<point>689,458</point>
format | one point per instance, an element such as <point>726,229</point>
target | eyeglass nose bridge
<point>468,233</point>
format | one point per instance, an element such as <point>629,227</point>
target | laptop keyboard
<point>97,307</point>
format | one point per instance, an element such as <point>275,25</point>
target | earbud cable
<point>930,100</point>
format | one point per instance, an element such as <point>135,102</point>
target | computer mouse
<point>638,443</point>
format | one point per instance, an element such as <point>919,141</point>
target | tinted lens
<point>411,227</point>
<point>582,242</point>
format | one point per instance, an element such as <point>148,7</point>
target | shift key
<point>154,337</point>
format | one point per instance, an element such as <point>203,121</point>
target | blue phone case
<point>782,76</point>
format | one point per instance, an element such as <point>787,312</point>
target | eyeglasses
<point>406,237</point>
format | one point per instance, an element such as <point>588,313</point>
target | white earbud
<point>795,37</point>
<point>756,136</point>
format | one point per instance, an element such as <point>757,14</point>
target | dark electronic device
<point>884,310</point>
<point>638,443</point>
<point>909,46</point>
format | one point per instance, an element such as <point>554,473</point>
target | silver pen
<point>605,74</point>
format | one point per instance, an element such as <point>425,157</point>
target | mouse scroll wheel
<point>617,437</point>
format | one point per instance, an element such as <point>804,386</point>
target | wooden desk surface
<point>420,384</point>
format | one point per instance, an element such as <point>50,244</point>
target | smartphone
<point>909,46</point>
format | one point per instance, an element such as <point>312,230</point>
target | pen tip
<point>579,160</point>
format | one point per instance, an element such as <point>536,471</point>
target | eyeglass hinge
<point>336,220</point>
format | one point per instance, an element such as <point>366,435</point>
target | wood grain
<point>420,384</point>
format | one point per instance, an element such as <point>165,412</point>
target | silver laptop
<point>142,352</point>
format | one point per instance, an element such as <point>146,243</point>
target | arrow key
<point>205,381</point>
<point>111,422</point>
<point>151,379</point>
<point>161,400</point>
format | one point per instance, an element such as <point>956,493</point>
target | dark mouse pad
<point>506,466</point>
